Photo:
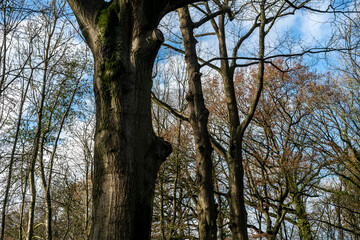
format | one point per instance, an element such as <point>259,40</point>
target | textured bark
<point>127,152</point>
<point>206,208</point>
<point>302,220</point>
<point>124,40</point>
<point>238,214</point>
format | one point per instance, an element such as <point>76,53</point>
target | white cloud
<point>315,26</point>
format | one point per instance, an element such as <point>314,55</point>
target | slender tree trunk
<point>38,145</point>
<point>30,231</point>
<point>235,154</point>
<point>87,193</point>
<point>3,54</point>
<point>234,157</point>
<point>220,219</point>
<point>86,144</point>
<point>238,214</point>
<point>162,215</point>
<point>24,183</point>
<point>47,196</point>
<point>32,183</point>
<point>206,208</point>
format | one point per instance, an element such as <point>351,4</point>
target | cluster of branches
<point>44,89</point>
<point>267,114</point>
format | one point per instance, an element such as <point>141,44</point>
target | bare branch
<point>199,59</point>
<point>210,16</point>
<point>170,109</point>
<point>329,9</point>
<point>218,147</point>
<point>171,5</point>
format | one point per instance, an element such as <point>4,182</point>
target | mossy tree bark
<point>302,221</point>
<point>124,40</point>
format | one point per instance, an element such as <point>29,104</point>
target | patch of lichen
<point>100,155</point>
<point>112,32</point>
<point>108,22</point>
<point>111,75</point>
<point>104,16</point>
<point>111,70</point>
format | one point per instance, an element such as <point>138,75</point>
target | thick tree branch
<point>85,11</point>
<point>210,16</point>
<point>171,5</point>
<point>218,147</point>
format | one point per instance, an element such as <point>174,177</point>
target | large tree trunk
<point>206,208</point>
<point>124,40</point>
<point>127,152</point>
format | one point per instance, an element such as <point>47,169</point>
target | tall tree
<point>199,120</point>
<point>124,40</point>
<point>285,164</point>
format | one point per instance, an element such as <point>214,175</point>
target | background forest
<point>273,120</point>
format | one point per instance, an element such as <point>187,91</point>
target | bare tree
<point>198,119</point>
